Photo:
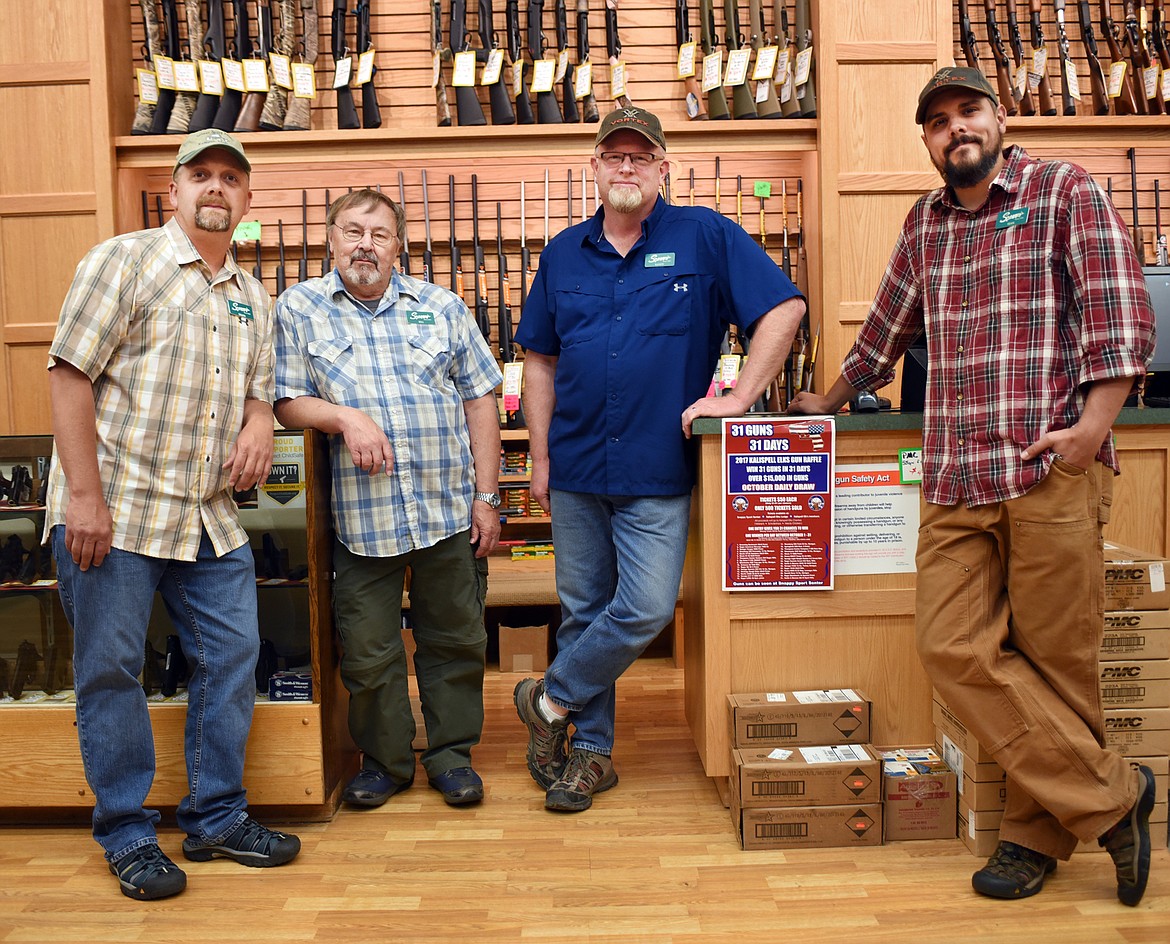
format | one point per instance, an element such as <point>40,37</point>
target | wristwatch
<point>491,498</point>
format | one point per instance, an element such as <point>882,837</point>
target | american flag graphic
<point>814,432</point>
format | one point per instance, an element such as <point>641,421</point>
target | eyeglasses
<point>640,159</point>
<point>354,234</point>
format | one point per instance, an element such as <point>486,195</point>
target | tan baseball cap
<point>949,78</point>
<point>632,119</point>
<point>199,141</point>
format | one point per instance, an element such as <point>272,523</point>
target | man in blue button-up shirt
<point>622,331</point>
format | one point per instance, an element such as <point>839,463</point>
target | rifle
<point>481,287</point>
<point>716,98</point>
<point>1160,45</point>
<point>442,108</point>
<point>806,93</point>
<point>1096,72</point>
<point>184,106</point>
<point>1126,101</point>
<point>254,103</point>
<point>739,199</point>
<point>428,259</point>
<point>588,103</point>
<point>696,111</point>
<point>346,112</point>
<point>145,225</point>
<point>743,105</point>
<point>568,85</point>
<point>207,107</point>
<point>523,109</point>
<point>456,260</point>
<point>770,106</point>
<point>999,56</point>
<point>1140,57</point>
<point>240,46</point>
<point>507,353</point>
<point>501,104</point>
<point>1161,256</point>
<point>967,39</point>
<point>547,112</point>
<point>371,113</point>
<point>404,256</point>
<point>1068,72</point>
<point>782,39</point>
<point>258,268</point>
<point>1139,235</point>
<point>613,44</point>
<point>691,192</point>
<point>525,255</point>
<point>276,105</point>
<point>1037,39</point>
<point>144,112</point>
<point>326,266</point>
<point>296,118</point>
<point>303,265</point>
<point>468,110</point>
<point>718,182</point>
<point>785,253</point>
<point>1027,105</point>
<point>281,281</point>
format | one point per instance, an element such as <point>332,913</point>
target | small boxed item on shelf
<point>524,648</point>
<point>1136,634</point>
<point>806,776</point>
<point>290,686</point>
<point>807,827</point>
<point>919,794</point>
<point>1139,684</point>
<point>793,719</point>
<point>1134,580</point>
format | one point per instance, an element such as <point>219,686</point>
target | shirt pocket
<point>1025,295</point>
<point>332,361</point>
<point>579,314</point>
<point>430,356</point>
<point>663,306</point>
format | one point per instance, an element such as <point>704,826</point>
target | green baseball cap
<point>949,78</point>
<point>632,119</point>
<point>199,141</point>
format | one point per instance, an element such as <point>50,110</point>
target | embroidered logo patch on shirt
<point>420,317</point>
<point>239,309</point>
<point>657,260</point>
<point>1011,218</point>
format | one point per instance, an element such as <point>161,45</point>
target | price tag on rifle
<point>584,84</point>
<point>728,370</point>
<point>255,75</point>
<point>737,66</point>
<point>164,71</point>
<point>233,75</point>
<point>304,80</point>
<point>343,72</point>
<point>365,67</point>
<point>713,70</point>
<point>518,79</point>
<point>1021,79</point>
<point>513,382</point>
<point>1153,77</point>
<point>493,67</point>
<point>1116,78</point>
<point>282,70</point>
<point>147,87</point>
<point>210,77</point>
<point>617,79</point>
<point>803,66</point>
<point>788,89</point>
<point>765,64</point>
<point>186,78</point>
<point>562,64</point>
<point>686,60</point>
<point>1166,86</point>
<point>761,92</point>
<point>463,74</point>
<point>1039,67</point>
<point>543,73</point>
<point>1074,85</point>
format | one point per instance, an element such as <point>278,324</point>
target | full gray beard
<point>213,221</point>
<point>626,199</point>
<point>356,276</point>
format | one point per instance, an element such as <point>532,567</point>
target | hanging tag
<point>737,65</point>
<point>617,79</point>
<point>164,70</point>
<point>147,87</point>
<point>186,76</point>
<point>765,64</point>
<point>304,80</point>
<point>255,76</point>
<point>342,74</point>
<point>210,77</point>
<point>543,73</point>
<point>493,67</point>
<point>282,70</point>
<point>686,60</point>
<point>463,75</point>
<point>365,67</point>
<point>584,84</point>
<point>713,70</point>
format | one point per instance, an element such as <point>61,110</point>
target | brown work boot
<point>585,774</point>
<point>1013,872</point>
<point>547,740</point>
<point>1128,842</point>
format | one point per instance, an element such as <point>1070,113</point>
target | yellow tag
<point>342,74</point>
<point>713,70</point>
<point>562,64</point>
<point>164,70</point>
<point>765,64</point>
<point>255,75</point>
<point>686,60</point>
<point>233,74</point>
<point>186,78</point>
<point>584,83</point>
<point>803,65</point>
<point>304,81</point>
<point>282,70</point>
<point>493,67</point>
<point>543,72</point>
<point>737,66</point>
<point>463,75</point>
<point>617,78</point>
<point>1116,77</point>
<point>365,68</point>
<point>147,87</point>
<point>210,77</point>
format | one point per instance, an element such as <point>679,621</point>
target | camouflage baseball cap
<point>199,141</point>
<point>632,119</point>
<point>949,78</point>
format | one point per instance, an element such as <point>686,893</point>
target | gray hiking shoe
<point>585,774</point>
<point>547,740</point>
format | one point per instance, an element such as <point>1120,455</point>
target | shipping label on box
<point>1143,683</point>
<point>948,724</point>
<point>1134,579</point>
<point>808,826</point>
<point>793,719</point>
<point>524,648</point>
<point>807,776</point>
<point>919,795</point>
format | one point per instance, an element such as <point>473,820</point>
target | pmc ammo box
<point>796,719</point>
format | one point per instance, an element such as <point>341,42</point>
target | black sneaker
<point>547,740</point>
<point>250,844</point>
<point>585,774</point>
<point>1128,842</point>
<point>147,874</point>
<point>1013,872</point>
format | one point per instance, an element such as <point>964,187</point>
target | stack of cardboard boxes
<point>1135,691</point>
<point>805,774</point>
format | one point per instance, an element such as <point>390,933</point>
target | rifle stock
<point>276,105</point>
<point>999,56</point>
<point>442,107</point>
<point>498,98</point>
<point>589,109</point>
<point>184,102</point>
<point>568,86</point>
<point>967,41</point>
<point>232,99</point>
<point>1068,104</point>
<point>742,103</point>
<point>207,106</point>
<point>547,112</point>
<point>1027,105</point>
<point>613,44</point>
<point>168,99</point>
<point>347,116</point>
<point>144,111</point>
<point>523,106</point>
<point>481,288</point>
<point>468,110</point>
<point>371,113</point>
<point>1097,84</point>
<point>297,115</point>
<point>807,91</point>
<point>1126,101</point>
<point>1043,89</point>
<point>255,102</point>
<point>1140,57</point>
<point>770,106</point>
<point>717,109</point>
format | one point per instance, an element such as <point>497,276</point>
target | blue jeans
<point>619,561</point>
<point>212,603</point>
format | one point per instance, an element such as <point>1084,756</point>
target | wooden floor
<point>655,860</point>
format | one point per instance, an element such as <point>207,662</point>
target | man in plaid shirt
<point>1038,324</point>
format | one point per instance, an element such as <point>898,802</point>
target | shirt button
<point>614,355</point>
<point>964,303</point>
<point>960,349</point>
<point>613,396</point>
<point>213,416</point>
<point>962,441</point>
<point>613,439</point>
<point>621,281</point>
<point>217,370</point>
<point>966,258</point>
<point>618,318</point>
<point>959,397</point>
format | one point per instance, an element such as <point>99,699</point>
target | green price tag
<point>248,231</point>
<point>763,188</point>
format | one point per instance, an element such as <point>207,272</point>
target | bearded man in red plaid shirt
<point>1037,322</point>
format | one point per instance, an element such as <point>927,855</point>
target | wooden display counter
<point>861,634</point>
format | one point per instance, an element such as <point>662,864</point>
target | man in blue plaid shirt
<point>396,372</point>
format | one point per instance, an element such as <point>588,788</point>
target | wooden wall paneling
<point>1141,494</point>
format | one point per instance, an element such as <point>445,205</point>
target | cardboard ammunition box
<point>807,827</point>
<point>1138,732</point>
<point>807,776</point>
<point>919,795</point>
<point>1143,683</point>
<point>795,719</point>
<point>1136,634</point>
<point>290,686</point>
<point>946,723</point>
<point>524,648</point>
<point>984,796</point>
<point>1134,580</point>
<point>979,831</point>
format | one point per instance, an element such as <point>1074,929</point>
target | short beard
<point>626,199</point>
<point>213,221</point>
<point>961,178</point>
<point>355,276</point>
